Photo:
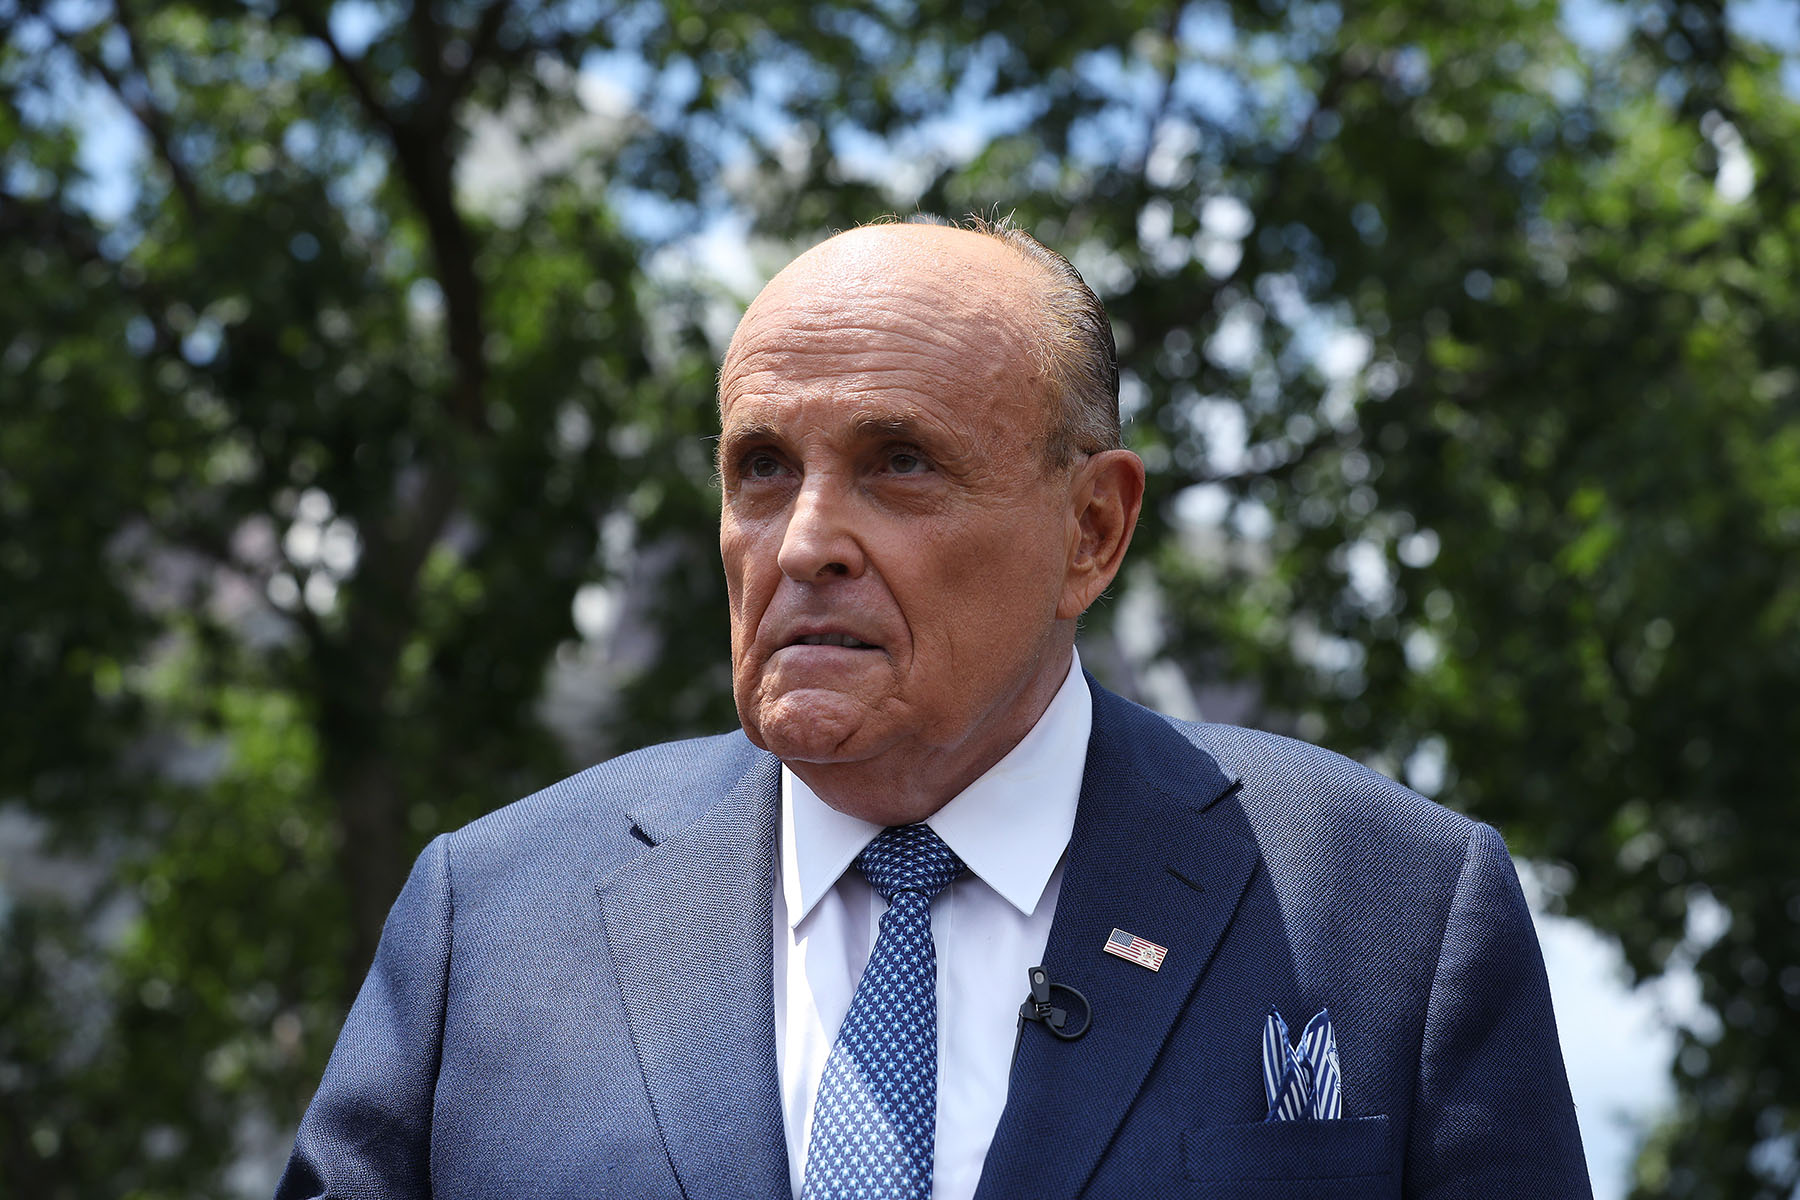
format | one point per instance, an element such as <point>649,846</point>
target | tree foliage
<point>1459,343</point>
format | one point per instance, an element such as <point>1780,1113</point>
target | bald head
<point>990,289</point>
<point>863,259</point>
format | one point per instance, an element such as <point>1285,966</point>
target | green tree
<point>305,461</point>
<point>1459,353</point>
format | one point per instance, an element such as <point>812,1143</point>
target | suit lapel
<point>689,926</point>
<point>1146,858</point>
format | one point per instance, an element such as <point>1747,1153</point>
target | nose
<point>819,542</point>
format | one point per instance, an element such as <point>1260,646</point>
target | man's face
<point>895,550</point>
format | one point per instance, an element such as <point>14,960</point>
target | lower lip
<point>808,650</point>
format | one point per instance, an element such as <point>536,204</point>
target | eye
<point>760,464</point>
<point>906,462</point>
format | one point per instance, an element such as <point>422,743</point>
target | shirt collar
<point>1010,827</point>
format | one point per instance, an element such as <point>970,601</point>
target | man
<point>790,961</point>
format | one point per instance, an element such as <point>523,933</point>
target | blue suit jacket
<point>572,995</point>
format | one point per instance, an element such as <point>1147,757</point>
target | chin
<point>808,725</point>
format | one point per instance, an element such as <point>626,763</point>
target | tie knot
<point>908,858</point>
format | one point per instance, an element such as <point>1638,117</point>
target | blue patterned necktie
<point>875,1119</point>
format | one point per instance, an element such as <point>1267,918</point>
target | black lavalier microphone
<point>1061,1009</point>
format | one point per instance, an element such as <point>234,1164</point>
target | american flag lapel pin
<point>1132,948</point>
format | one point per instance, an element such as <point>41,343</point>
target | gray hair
<point>1077,353</point>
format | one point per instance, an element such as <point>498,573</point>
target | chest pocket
<point>1347,1159</point>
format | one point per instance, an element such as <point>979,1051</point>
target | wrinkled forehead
<point>904,325</point>
<point>958,300</point>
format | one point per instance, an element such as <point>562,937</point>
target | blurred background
<point>356,369</point>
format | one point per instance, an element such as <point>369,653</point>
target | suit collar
<point>692,960</point>
<point>1146,858</point>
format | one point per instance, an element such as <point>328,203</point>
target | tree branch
<point>382,611</point>
<point>1159,111</point>
<point>420,152</point>
<point>316,26</point>
<point>1339,75</point>
<point>428,53</point>
<point>152,119</point>
<point>484,42</point>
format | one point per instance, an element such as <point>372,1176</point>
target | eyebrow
<point>876,427</point>
<point>726,445</point>
<point>864,426</point>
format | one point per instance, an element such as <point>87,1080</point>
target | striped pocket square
<point>1302,1081</point>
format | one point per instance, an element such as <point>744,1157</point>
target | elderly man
<point>946,918</point>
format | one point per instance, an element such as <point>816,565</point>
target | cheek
<point>738,553</point>
<point>989,590</point>
<point>1015,562</point>
<point>741,547</point>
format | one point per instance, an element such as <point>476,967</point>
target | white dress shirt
<point>1010,828</point>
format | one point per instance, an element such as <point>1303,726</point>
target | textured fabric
<point>555,1005</point>
<point>1281,875</point>
<point>1010,827</point>
<point>572,995</point>
<point>873,1129</point>
<point>1302,1081</point>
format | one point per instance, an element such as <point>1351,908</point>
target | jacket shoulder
<point>1303,802</point>
<point>596,819</point>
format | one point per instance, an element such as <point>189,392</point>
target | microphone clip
<point>1059,1008</point>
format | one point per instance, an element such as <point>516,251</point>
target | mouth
<point>833,639</point>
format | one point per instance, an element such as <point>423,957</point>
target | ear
<point>1104,500</point>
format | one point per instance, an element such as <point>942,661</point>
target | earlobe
<point>1104,505</point>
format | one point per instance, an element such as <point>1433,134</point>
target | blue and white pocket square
<point>1302,1081</point>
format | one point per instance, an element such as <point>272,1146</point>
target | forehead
<point>904,336</point>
